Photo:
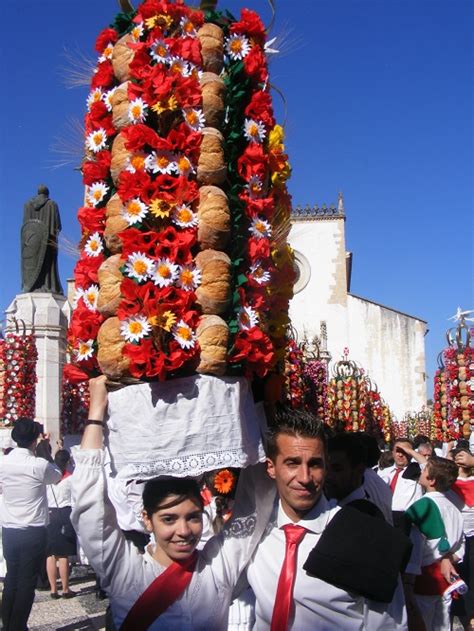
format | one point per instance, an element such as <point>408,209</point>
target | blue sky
<point>379,105</point>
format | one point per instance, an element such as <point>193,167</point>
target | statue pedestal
<point>48,315</point>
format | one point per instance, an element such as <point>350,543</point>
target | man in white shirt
<point>24,515</point>
<point>287,597</point>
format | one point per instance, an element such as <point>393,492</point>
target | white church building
<point>388,344</point>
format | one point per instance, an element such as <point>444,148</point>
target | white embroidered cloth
<point>184,427</point>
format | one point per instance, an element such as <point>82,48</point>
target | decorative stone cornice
<point>317,213</point>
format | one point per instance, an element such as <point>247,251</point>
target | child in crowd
<point>462,496</point>
<point>440,524</point>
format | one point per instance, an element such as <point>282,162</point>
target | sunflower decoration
<point>224,482</point>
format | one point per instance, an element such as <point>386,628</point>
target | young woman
<point>61,536</point>
<point>171,586</point>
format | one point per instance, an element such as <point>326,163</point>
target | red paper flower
<point>254,348</point>
<point>104,77</point>
<point>105,37</point>
<point>255,64</point>
<point>97,168</point>
<point>250,24</point>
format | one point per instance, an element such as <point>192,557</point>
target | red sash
<point>160,595</point>
<point>431,582</point>
<point>465,490</point>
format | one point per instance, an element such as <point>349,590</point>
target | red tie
<point>284,594</point>
<point>393,482</point>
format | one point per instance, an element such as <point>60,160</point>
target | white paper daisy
<point>184,334</point>
<point>237,46</point>
<point>94,97</point>
<point>134,328</point>
<point>247,318</point>
<point>165,272</point>
<point>159,51</point>
<point>254,130</point>
<point>161,162</point>
<point>77,296</point>
<point>107,52</point>
<point>259,274</point>
<point>183,165</point>
<point>94,245</point>
<point>260,228</point>
<point>84,350</point>
<point>184,217</point>
<point>136,162</point>
<point>137,111</point>
<point>139,266</point>
<point>90,297</point>
<point>96,140</point>
<point>178,66</point>
<point>107,98</point>
<point>134,210</point>
<point>96,193</point>
<point>137,31</point>
<point>255,187</point>
<point>189,278</point>
<point>194,118</point>
<point>187,27</point>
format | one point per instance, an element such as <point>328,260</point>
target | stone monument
<point>42,305</point>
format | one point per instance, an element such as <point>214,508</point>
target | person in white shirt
<point>287,597</point>
<point>24,515</point>
<point>402,479</point>
<point>184,589</point>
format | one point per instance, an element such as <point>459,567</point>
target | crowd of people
<point>329,533</point>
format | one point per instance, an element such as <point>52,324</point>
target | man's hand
<point>448,570</point>
<point>463,459</point>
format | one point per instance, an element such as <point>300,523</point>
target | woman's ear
<point>147,521</point>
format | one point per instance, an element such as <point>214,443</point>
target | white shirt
<point>23,480</point>
<point>319,606</point>
<point>59,495</point>
<point>125,573</point>
<point>378,492</point>
<point>406,491</point>
<point>467,512</point>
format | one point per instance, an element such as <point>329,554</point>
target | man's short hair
<point>402,439</point>
<point>444,472</point>
<point>293,422</point>
<point>25,431</point>
<point>421,439</point>
<point>351,445</point>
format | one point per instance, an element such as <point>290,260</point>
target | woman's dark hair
<point>62,458</point>
<point>159,489</point>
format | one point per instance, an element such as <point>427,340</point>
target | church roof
<point>314,213</point>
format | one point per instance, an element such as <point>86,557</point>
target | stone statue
<point>39,244</point>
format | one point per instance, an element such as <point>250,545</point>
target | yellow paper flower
<point>160,208</point>
<point>170,104</point>
<point>275,138</point>
<point>165,320</point>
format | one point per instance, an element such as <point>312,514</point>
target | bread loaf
<point>110,278</point>
<point>211,37</point>
<point>211,165</point>
<point>114,224</point>
<point>213,92</point>
<point>213,337</point>
<point>214,218</point>
<point>213,295</point>
<point>120,106</point>
<point>122,55</point>
<point>110,342</point>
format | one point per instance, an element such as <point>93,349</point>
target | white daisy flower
<point>260,228</point>
<point>107,52</point>
<point>189,278</point>
<point>134,210</point>
<point>165,272</point>
<point>161,162</point>
<point>187,27</point>
<point>237,46</point>
<point>96,140</point>
<point>179,66</point>
<point>254,130</point>
<point>84,350</point>
<point>137,31</point>
<point>259,274</point>
<point>107,98</point>
<point>255,186</point>
<point>194,118</point>
<point>136,162</point>
<point>184,217</point>
<point>94,245</point>
<point>184,334</point>
<point>77,296</point>
<point>139,266</point>
<point>183,165</point>
<point>159,51</point>
<point>137,111</point>
<point>90,297</point>
<point>193,71</point>
<point>94,97</point>
<point>134,328</point>
<point>247,318</point>
<point>96,193</point>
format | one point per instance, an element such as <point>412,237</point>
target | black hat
<point>25,431</point>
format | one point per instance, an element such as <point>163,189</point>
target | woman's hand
<point>98,398</point>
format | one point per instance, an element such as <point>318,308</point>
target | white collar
<point>315,520</point>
